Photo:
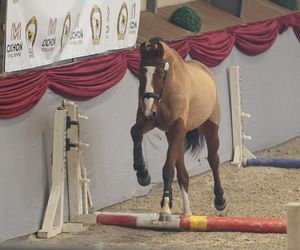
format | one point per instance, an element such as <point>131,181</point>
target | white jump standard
<point>242,156</point>
<point>66,154</point>
<point>240,152</point>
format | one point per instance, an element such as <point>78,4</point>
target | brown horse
<point>179,98</point>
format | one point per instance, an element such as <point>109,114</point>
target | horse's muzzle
<point>153,115</point>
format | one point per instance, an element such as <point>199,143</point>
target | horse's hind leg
<point>210,131</point>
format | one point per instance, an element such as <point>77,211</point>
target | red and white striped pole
<point>194,223</point>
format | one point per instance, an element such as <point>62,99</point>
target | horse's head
<point>152,76</point>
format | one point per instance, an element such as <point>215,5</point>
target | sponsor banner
<point>41,32</point>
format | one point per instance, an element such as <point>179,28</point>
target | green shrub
<point>187,18</point>
<point>288,4</point>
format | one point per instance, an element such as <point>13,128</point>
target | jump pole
<point>273,162</point>
<point>193,223</point>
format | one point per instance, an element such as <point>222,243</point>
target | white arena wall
<point>270,88</point>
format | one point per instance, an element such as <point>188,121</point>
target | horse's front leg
<point>141,126</point>
<point>175,137</point>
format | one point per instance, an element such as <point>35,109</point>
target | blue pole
<point>274,162</point>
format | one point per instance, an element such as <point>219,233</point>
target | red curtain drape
<point>295,24</point>
<point>256,38</point>
<point>182,47</point>
<point>133,61</point>
<point>212,48</point>
<point>91,77</point>
<point>20,93</point>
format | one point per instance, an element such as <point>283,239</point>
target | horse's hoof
<point>144,181</point>
<point>221,207</point>
<point>165,217</point>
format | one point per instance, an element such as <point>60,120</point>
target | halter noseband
<point>149,95</point>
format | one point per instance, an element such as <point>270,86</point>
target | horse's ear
<point>160,50</point>
<point>143,49</point>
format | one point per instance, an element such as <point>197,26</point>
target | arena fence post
<point>293,226</point>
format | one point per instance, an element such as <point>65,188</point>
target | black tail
<point>194,141</point>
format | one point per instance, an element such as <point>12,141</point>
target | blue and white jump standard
<point>242,156</point>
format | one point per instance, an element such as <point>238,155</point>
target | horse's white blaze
<point>186,202</point>
<point>149,89</point>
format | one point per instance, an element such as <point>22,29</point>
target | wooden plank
<point>293,226</point>
<point>152,25</point>
<point>73,228</point>
<point>74,171</point>
<point>86,218</point>
<point>258,10</point>
<point>52,208</point>
<point>84,184</point>
<point>212,17</point>
<point>48,234</point>
<point>58,147</point>
<point>53,219</point>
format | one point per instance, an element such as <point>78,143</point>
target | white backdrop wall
<point>270,89</point>
<point>270,86</point>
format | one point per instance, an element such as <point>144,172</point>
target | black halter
<point>149,95</point>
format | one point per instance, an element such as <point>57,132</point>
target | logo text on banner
<point>40,32</point>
